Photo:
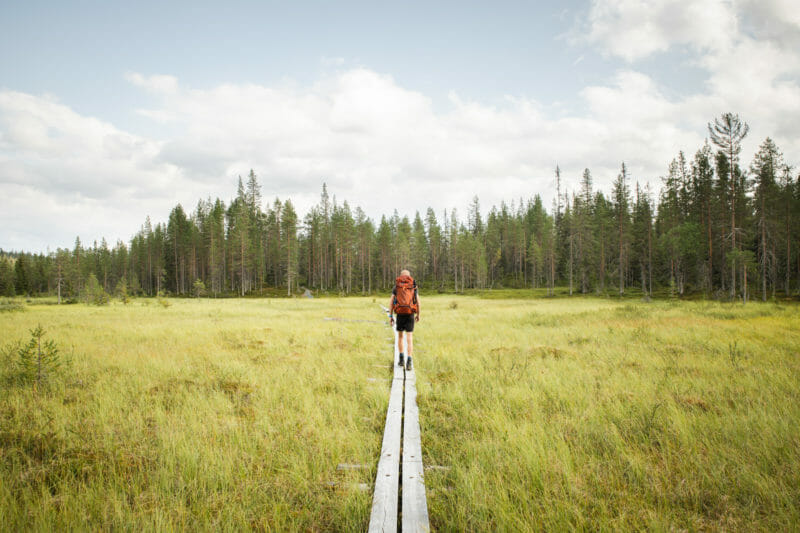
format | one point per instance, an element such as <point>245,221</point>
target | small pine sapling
<point>199,288</point>
<point>122,291</point>
<point>39,359</point>
<point>93,293</point>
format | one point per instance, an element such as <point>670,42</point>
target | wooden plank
<point>412,445</point>
<point>415,508</point>
<point>384,499</point>
<point>399,372</point>
<point>351,466</point>
<point>415,505</point>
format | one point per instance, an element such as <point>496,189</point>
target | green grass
<point>594,414</point>
<point>200,416</point>
<point>547,414</point>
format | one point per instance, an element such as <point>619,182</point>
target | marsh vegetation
<point>535,414</point>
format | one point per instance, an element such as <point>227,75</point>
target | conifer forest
<point>718,227</point>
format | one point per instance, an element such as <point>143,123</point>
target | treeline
<point>715,227</point>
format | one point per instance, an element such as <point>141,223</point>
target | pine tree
<point>419,249</point>
<point>290,247</point>
<point>788,208</point>
<point>604,227</point>
<point>584,243</point>
<point>21,275</point>
<point>7,287</point>
<point>474,221</point>
<point>384,246</point>
<point>435,246</point>
<point>622,216</point>
<point>766,166</point>
<point>703,208</point>
<point>727,134</point>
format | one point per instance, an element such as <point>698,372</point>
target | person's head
<point>405,272</point>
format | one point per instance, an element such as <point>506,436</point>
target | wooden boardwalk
<point>401,451</point>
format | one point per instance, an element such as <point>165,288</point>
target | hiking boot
<point>408,363</point>
<point>400,362</point>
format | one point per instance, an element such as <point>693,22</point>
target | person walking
<point>405,304</point>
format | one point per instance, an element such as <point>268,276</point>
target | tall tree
<point>766,166</point>
<point>622,216</point>
<point>703,207</point>
<point>582,213</point>
<point>289,240</point>
<point>22,275</point>
<point>727,134</point>
<point>642,238</point>
<point>7,287</point>
<point>435,245</point>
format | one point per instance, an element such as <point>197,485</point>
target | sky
<point>114,111</point>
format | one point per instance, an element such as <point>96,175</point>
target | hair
<point>405,272</point>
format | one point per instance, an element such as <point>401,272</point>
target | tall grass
<point>596,414</point>
<point>200,416</point>
<point>546,414</point>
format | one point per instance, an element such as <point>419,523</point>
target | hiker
<point>405,304</point>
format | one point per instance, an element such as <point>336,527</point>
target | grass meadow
<point>536,414</point>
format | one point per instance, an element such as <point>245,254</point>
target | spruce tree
<point>766,166</point>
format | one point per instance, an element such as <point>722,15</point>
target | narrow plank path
<point>395,495</point>
<point>415,505</point>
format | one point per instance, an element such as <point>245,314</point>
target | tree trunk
<point>763,252</point>
<point>744,286</point>
<point>788,251</point>
<point>621,270</point>
<point>710,251</point>
<point>602,265</point>
<point>570,265</point>
<point>733,227</point>
<point>650,258</point>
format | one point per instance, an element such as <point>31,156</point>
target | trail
<point>400,483</point>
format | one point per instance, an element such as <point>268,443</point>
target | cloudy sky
<point>112,111</point>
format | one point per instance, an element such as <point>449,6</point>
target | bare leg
<point>410,339</point>
<point>400,341</point>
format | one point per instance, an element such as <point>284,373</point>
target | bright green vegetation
<point>547,414</point>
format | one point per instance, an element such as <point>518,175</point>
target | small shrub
<point>93,293</point>
<point>199,288</point>
<point>7,306</point>
<point>122,291</point>
<point>162,300</point>
<point>453,305</point>
<point>38,360</point>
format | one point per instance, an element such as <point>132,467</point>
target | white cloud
<point>750,50</point>
<point>157,83</point>
<point>67,174</point>
<point>774,20</point>
<point>376,143</point>
<point>633,29</point>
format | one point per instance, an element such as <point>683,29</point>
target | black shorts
<point>404,323</point>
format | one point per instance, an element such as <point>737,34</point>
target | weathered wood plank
<point>412,445</point>
<point>415,505</point>
<point>399,372</point>
<point>384,499</point>
<point>384,502</point>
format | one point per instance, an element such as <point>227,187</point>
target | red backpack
<point>405,296</point>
